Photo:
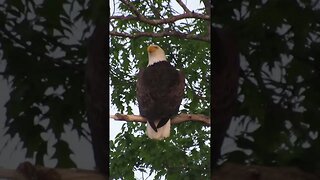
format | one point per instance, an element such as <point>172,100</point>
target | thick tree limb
<point>176,120</point>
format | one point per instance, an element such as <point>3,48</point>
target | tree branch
<point>160,34</point>
<point>139,17</point>
<point>176,120</point>
<point>169,20</point>
<point>154,22</point>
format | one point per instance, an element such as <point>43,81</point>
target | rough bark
<point>175,120</point>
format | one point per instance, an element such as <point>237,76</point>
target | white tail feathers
<point>162,133</point>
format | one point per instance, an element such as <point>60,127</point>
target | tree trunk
<point>225,85</point>
<point>96,96</point>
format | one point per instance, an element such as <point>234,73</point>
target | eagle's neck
<point>156,58</point>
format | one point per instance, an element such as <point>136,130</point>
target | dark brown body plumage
<point>160,89</point>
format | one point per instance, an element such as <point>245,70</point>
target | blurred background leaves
<point>277,122</point>
<point>43,49</point>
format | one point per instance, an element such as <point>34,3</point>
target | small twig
<point>132,8</point>
<point>175,120</point>
<point>130,17</point>
<point>183,6</point>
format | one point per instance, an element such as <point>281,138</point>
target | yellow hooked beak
<point>152,48</point>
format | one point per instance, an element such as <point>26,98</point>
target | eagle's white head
<point>155,54</point>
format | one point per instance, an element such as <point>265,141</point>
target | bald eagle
<point>160,89</point>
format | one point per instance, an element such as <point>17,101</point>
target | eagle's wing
<point>144,97</point>
<point>177,92</point>
<point>143,94</point>
<point>175,96</point>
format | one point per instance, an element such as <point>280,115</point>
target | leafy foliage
<point>279,94</point>
<point>186,152</point>
<point>45,59</point>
